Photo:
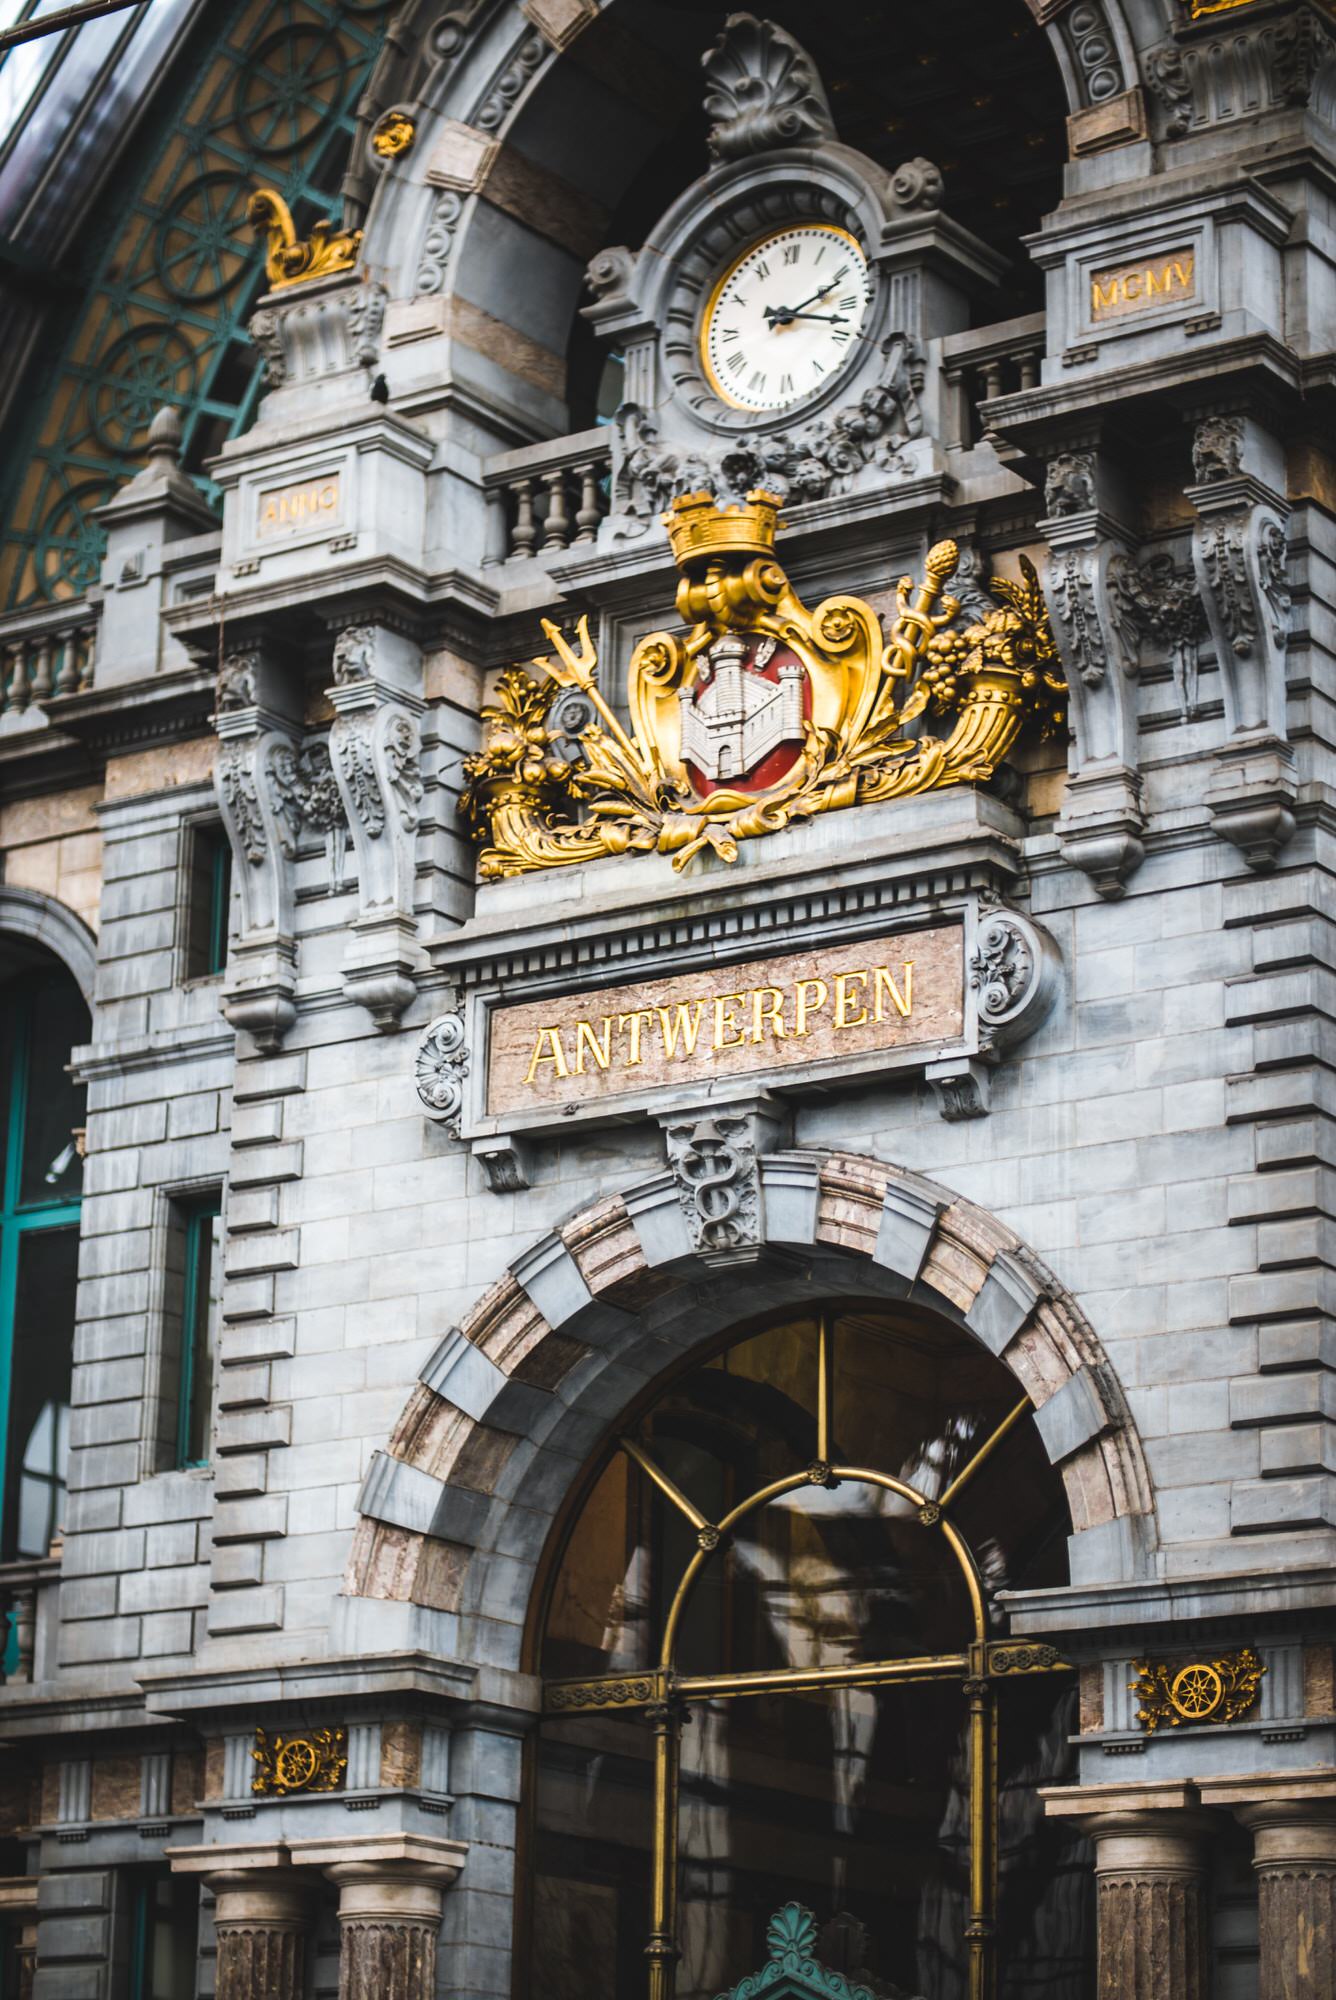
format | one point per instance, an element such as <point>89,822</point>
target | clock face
<point>785,319</point>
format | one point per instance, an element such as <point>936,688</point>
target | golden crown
<point>698,526</point>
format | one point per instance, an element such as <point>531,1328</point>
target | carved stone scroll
<point>762,91</point>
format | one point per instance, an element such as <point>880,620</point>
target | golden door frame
<point>664,1693</point>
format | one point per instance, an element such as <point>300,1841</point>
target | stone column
<point>261,1919</point>
<point>1294,1854</point>
<point>389,1917</point>
<point>1150,1867</point>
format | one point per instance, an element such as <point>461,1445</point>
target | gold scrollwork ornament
<point>1219,1690</point>
<point>314,1761</point>
<point>393,136</point>
<point>294,260</point>
<point>538,798</point>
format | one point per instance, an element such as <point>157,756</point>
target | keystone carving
<point>714,1163</point>
<point>1217,447</point>
<point>762,91</point>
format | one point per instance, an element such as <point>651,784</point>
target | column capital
<point>390,1857</point>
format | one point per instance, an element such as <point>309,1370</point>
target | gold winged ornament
<point>762,713</point>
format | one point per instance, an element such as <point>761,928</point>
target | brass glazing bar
<point>979,1932</point>
<point>984,1452</point>
<point>661,1950</point>
<point>788,1680</point>
<point>823,1388</point>
<point>663,1482</point>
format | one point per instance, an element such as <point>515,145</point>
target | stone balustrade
<point>984,363</point>
<point>45,655</point>
<point>547,497</point>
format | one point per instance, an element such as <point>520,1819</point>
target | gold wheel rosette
<point>535,799</point>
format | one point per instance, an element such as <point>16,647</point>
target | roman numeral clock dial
<point>785,319</point>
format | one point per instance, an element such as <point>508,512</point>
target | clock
<point>786,317</point>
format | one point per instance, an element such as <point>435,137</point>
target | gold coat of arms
<point>762,712</point>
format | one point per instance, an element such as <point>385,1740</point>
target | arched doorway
<point>780,1712</point>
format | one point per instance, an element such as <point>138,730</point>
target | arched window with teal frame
<point>42,1018</point>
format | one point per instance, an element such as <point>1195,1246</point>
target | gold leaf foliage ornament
<point>314,1761</point>
<point>290,259</point>
<point>762,713</point>
<point>1219,1690</point>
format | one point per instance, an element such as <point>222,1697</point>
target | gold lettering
<point>329,494</point>
<point>728,1031</point>
<point>886,987</point>
<point>1103,297</point>
<point>556,1055</point>
<point>1185,272</point>
<point>843,1018</point>
<point>773,1012</point>
<point>804,1006</point>
<point>632,1021</point>
<point>678,1025</point>
<point>585,1038</point>
<point>1159,281</point>
<point>1136,278</point>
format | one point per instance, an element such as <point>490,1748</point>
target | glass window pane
<point>37,1447</point>
<point>57,1022</point>
<point>592,1858</point>
<point>203,1278</point>
<point>173,1928</point>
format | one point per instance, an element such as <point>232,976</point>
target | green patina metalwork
<point>792,1971</point>
<point>176,272</point>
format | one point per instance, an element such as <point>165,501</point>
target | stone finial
<point>763,91</point>
<point>165,434</point>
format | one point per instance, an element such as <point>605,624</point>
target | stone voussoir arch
<point>456,1512</point>
<point>27,913</point>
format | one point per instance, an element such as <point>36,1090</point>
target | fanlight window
<point>777,1680</point>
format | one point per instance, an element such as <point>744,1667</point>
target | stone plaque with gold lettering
<point>891,997</point>
<point>298,508</point>
<point>1166,279</point>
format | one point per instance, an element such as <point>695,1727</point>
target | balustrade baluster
<point>67,674</point>
<point>19,685</point>
<point>557,528</point>
<point>589,513</point>
<point>1029,363</point>
<point>41,679</point>
<point>86,639</point>
<point>524,534</point>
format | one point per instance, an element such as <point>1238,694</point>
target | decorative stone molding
<point>326,328</point>
<point>305,795</point>
<point>259,742</point>
<point>1014,970</point>
<point>374,748</point>
<point>713,1155</point>
<point>763,91</point>
<point>505,1163</point>
<point>1242,69</point>
<point>960,1086</point>
<point>1240,555</point>
<point>1102,822</point>
<point>824,457</point>
<point>1159,600</point>
<point>439,1069</point>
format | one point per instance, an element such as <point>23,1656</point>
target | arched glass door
<point>776,1674</point>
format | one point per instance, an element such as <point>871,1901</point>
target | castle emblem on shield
<point>746,704</point>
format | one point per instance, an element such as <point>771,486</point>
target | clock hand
<point>835,319</point>
<point>776,313</point>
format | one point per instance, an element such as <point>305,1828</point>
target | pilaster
<point>1150,1872</point>
<point>261,1918</point>
<point>1292,1818</point>
<point>389,1918</point>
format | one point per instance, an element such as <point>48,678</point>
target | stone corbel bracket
<point>375,746</point>
<point>714,1153</point>
<point>1240,551</point>
<point>1102,821</point>
<point>257,740</point>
